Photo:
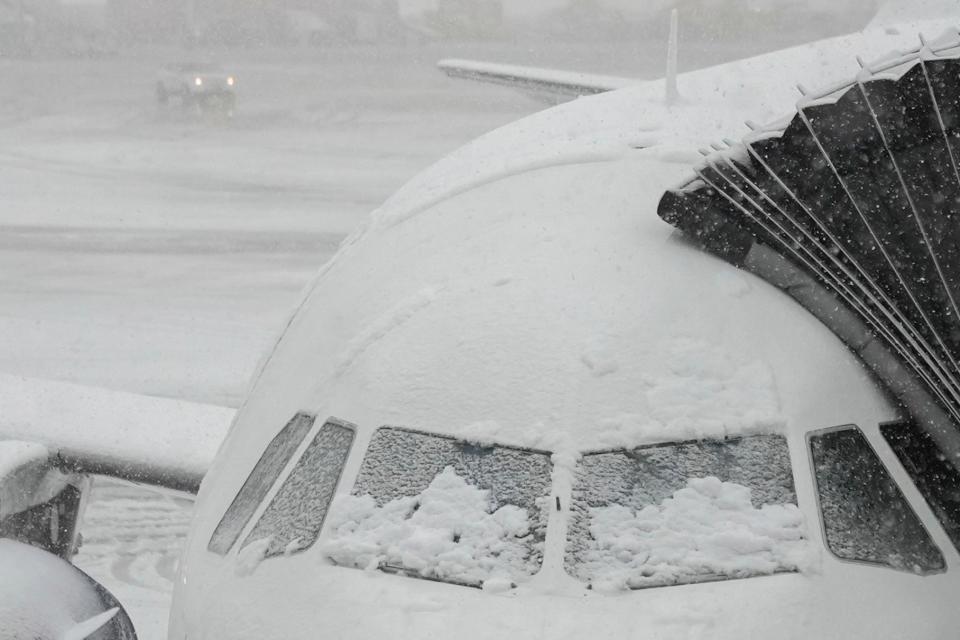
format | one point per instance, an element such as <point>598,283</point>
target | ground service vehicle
<point>206,86</point>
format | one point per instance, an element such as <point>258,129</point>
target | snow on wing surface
<point>552,81</point>
<point>157,441</point>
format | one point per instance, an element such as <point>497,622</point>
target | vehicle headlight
<point>231,81</point>
<point>198,81</point>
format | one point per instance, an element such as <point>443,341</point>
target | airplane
<point>581,379</point>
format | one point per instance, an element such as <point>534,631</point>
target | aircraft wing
<point>559,85</point>
<point>156,441</point>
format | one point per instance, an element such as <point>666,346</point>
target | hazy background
<point>154,249</point>
<point>107,27</point>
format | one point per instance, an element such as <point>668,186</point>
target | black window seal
<point>822,522</point>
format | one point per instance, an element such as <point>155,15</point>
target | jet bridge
<point>852,207</point>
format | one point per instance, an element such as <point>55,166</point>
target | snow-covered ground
<point>156,251</point>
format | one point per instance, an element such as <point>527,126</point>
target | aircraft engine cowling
<point>45,597</point>
<point>42,595</point>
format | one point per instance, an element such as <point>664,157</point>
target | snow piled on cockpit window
<point>448,532</point>
<point>707,530</point>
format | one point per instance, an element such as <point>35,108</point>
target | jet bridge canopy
<point>851,207</point>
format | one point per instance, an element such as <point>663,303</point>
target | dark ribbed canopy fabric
<point>860,192</point>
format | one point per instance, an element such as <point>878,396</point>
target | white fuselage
<point>538,301</point>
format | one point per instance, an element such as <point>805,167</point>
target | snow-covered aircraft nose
<point>519,404</point>
<point>491,415</point>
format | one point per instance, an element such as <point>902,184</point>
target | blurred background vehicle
<point>206,86</point>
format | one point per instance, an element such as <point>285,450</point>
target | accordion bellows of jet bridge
<point>850,206</point>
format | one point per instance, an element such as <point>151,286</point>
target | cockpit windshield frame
<point>505,490</point>
<point>583,549</point>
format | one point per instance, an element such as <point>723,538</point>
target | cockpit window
<point>275,457</point>
<point>933,471</point>
<point>435,507</point>
<point>687,512</point>
<point>295,516</point>
<point>865,517</point>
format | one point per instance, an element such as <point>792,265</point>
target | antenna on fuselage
<point>670,78</point>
